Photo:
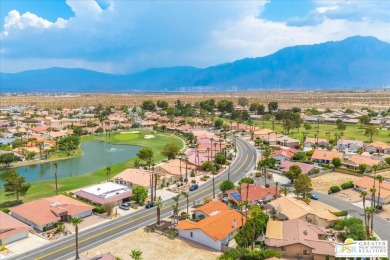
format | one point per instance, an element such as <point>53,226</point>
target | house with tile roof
<point>317,213</point>
<point>11,229</point>
<point>141,177</point>
<point>378,147</point>
<point>352,145</point>
<point>325,156</point>
<point>355,160</point>
<point>310,142</point>
<point>298,239</point>
<point>219,226</point>
<point>252,192</point>
<point>366,183</point>
<point>44,213</point>
<point>282,155</point>
<point>176,168</point>
<point>306,168</point>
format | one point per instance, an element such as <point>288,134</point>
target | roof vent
<point>305,232</point>
<point>234,224</point>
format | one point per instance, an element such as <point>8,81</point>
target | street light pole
<point>229,173</point>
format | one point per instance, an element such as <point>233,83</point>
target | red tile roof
<point>10,226</point>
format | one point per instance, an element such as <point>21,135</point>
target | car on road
<point>194,187</point>
<point>149,205</point>
<point>314,196</point>
<point>125,206</point>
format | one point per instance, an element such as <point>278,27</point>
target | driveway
<point>33,241</point>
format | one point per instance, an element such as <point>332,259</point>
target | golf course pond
<point>96,155</point>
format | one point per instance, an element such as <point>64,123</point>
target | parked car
<point>149,205</point>
<point>314,196</point>
<point>194,187</point>
<point>125,206</point>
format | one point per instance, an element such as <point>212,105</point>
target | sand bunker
<point>131,132</point>
<point>149,136</point>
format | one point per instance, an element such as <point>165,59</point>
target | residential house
<point>351,145</point>
<point>141,177</point>
<point>306,168</point>
<point>176,168</point>
<point>316,212</point>
<point>208,209</point>
<point>104,193</point>
<point>378,147</point>
<point>320,142</point>
<point>325,156</point>
<point>252,192</point>
<point>45,213</point>
<point>355,160</point>
<point>366,183</point>
<point>11,229</point>
<point>297,239</point>
<point>282,155</point>
<point>215,230</point>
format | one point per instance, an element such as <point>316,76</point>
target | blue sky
<point>124,36</point>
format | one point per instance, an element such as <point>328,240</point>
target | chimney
<point>234,224</point>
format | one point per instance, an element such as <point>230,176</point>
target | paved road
<point>88,239</point>
<point>381,226</point>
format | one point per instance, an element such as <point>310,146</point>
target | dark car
<point>125,206</point>
<point>149,205</point>
<point>314,196</point>
<point>194,187</point>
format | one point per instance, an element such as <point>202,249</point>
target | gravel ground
<point>153,246</point>
<point>324,182</point>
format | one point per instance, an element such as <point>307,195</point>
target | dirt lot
<point>349,195</point>
<point>153,246</point>
<point>286,99</point>
<point>324,182</point>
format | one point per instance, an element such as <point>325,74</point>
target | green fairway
<point>352,132</point>
<point>47,188</point>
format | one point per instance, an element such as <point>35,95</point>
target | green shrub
<point>98,209</point>
<point>347,185</point>
<point>6,210</point>
<point>334,189</point>
<point>192,173</point>
<point>316,170</point>
<point>267,185</point>
<point>258,174</point>
<point>340,213</point>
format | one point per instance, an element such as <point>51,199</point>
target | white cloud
<point>125,36</point>
<point>28,20</point>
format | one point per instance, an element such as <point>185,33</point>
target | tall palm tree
<point>370,216</point>
<point>276,185</point>
<point>175,207</point>
<point>363,194</point>
<point>213,170</point>
<point>136,254</point>
<point>156,178</point>
<point>108,173</point>
<point>55,177</point>
<point>76,222</point>
<point>186,161</point>
<point>187,196</point>
<point>380,180</point>
<point>373,191</point>
<point>159,203</point>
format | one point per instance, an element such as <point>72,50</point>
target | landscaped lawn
<point>47,188</point>
<point>352,132</point>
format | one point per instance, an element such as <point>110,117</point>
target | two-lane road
<point>381,226</point>
<point>88,239</point>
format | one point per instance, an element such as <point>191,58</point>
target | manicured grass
<point>47,188</point>
<point>352,132</point>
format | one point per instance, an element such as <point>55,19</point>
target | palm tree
<point>370,216</point>
<point>55,177</point>
<point>380,180</point>
<point>187,196</point>
<point>213,170</point>
<point>159,203</point>
<point>108,173</point>
<point>186,161</point>
<point>40,147</point>
<point>76,222</point>
<point>276,185</point>
<point>136,254</point>
<point>373,191</point>
<point>156,178</point>
<point>363,194</point>
<point>285,191</point>
<point>175,207</point>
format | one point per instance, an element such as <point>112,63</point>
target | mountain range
<point>356,62</point>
